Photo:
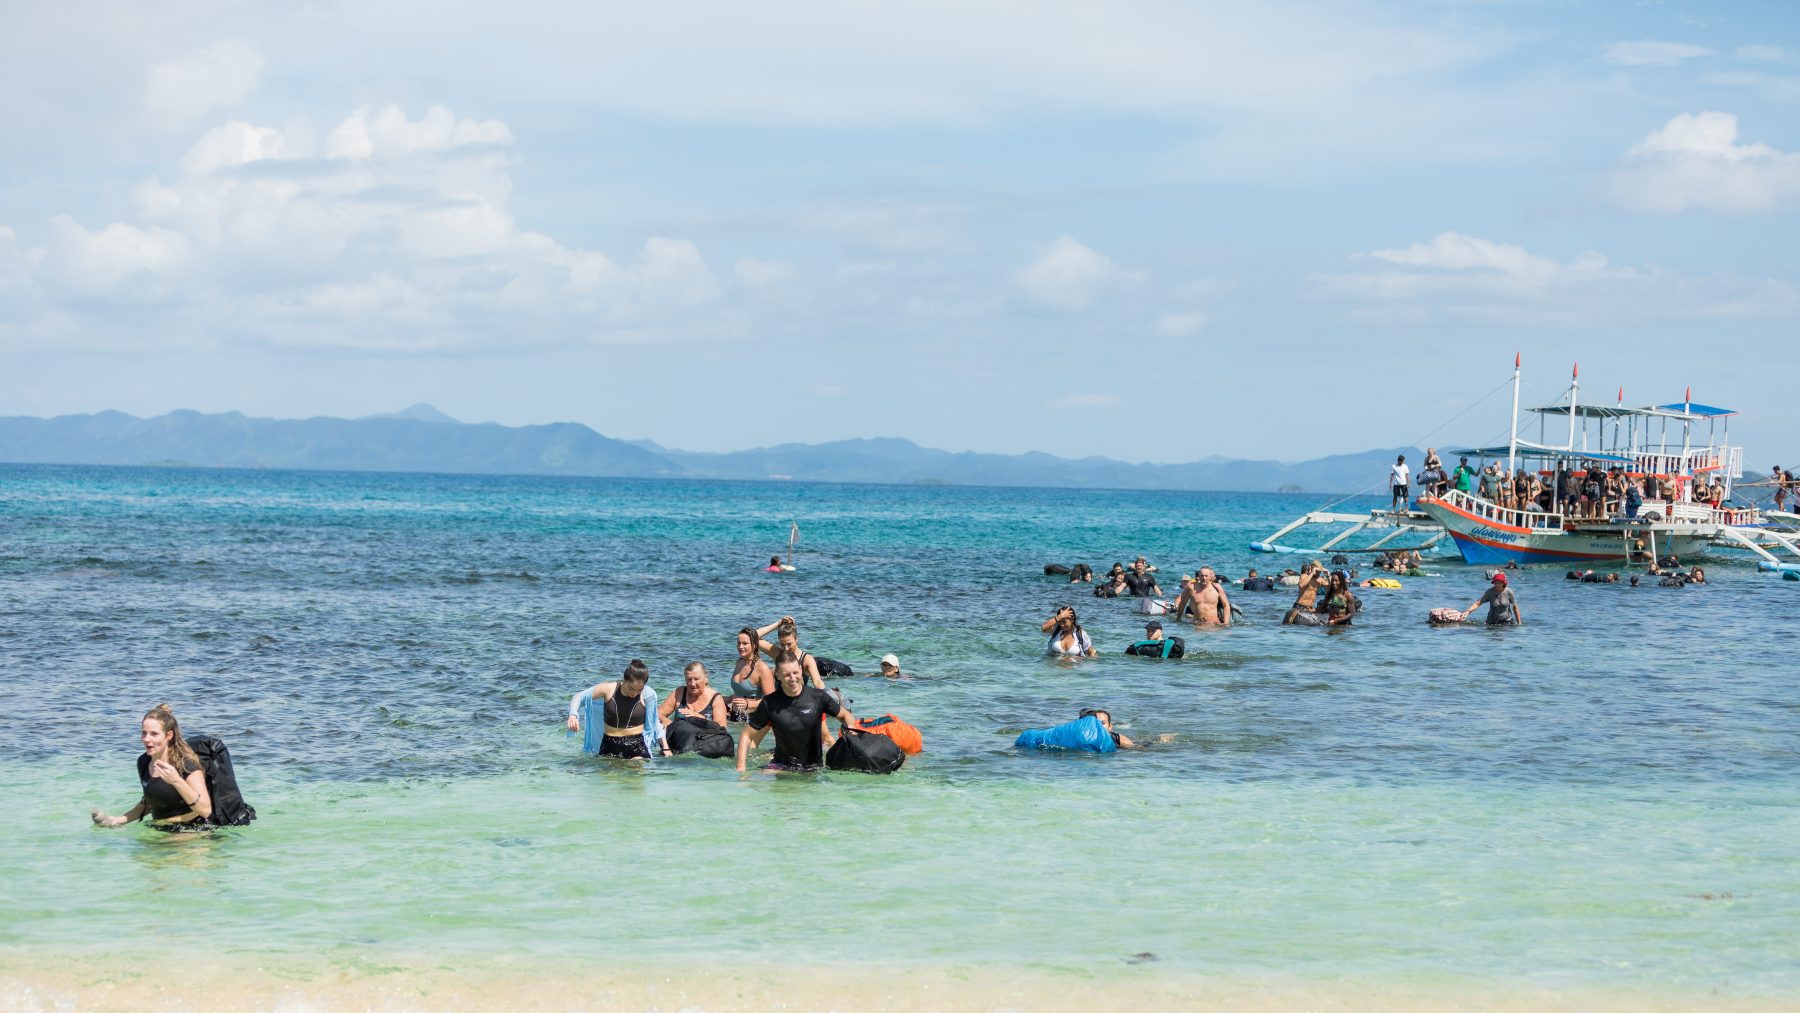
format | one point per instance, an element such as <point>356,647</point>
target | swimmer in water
<point>696,698</point>
<point>751,680</point>
<point>1340,603</point>
<point>174,783</point>
<point>1067,638</point>
<point>1205,599</point>
<point>1311,577</point>
<point>890,666</point>
<point>796,711</point>
<point>1122,741</point>
<point>627,715</point>
<point>787,638</point>
<point>1503,605</point>
<point>777,566</point>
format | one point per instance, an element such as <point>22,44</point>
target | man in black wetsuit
<point>796,711</point>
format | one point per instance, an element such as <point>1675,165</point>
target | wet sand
<point>113,982</point>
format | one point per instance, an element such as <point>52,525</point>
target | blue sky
<point>1153,231</point>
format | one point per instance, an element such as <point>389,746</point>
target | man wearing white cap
<point>890,666</point>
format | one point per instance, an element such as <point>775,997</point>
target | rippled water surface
<point>1607,794</point>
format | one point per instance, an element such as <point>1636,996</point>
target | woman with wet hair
<point>1339,606</point>
<point>787,639</point>
<point>751,679</point>
<point>619,719</point>
<point>1067,638</point>
<point>174,783</point>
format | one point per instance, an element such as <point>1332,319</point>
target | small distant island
<point>424,439</point>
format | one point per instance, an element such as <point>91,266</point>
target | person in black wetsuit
<point>796,711</point>
<point>175,796</point>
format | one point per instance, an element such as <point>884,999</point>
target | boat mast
<point>1512,443</point>
<point>1687,423</point>
<point>1574,396</point>
<point>1618,424</point>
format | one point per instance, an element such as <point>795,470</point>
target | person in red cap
<point>1503,607</point>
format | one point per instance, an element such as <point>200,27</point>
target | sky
<point>1153,231</point>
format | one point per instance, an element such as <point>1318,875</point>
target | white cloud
<point>1695,162</point>
<point>1650,53</point>
<point>1084,401</point>
<point>385,132</point>
<point>120,259</point>
<point>1775,87</point>
<point>1766,54</point>
<point>1453,251</point>
<point>1177,325</point>
<point>762,274</point>
<point>1460,277</point>
<point>1068,276</point>
<point>396,233</point>
<point>217,77</point>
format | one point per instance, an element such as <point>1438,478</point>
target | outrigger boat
<point>1486,532</point>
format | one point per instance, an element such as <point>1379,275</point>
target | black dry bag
<point>864,751</point>
<point>228,806</point>
<point>829,669</point>
<point>1055,570</point>
<point>689,734</point>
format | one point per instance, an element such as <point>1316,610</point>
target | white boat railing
<point>1490,511</point>
<point>1736,518</point>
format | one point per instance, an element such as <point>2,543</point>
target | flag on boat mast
<point>793,536</point>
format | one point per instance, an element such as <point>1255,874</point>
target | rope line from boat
<point>1420,442</point>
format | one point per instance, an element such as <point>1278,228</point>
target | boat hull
<point>1493,544</point>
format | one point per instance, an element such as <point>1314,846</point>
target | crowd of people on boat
<point>1579,491</point>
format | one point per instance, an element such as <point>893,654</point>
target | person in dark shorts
<point>796,712</point>
<point>618,719</point>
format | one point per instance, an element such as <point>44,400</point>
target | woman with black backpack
<point>694,716</point>
<point>174,781</point>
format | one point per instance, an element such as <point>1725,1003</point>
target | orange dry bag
<point>904,735</point>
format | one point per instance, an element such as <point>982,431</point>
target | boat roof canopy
<point>1679,411</point>
<point>1698,410</point>
<point>1541,452</point>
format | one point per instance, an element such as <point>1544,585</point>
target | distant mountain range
<point>421,438</point>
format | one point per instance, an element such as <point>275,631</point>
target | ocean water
<point>1606,796</point>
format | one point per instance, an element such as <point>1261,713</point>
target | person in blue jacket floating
<point>1092,732</point>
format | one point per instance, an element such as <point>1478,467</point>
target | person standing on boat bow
<point>1398,480</point>
<point>1463,478</point>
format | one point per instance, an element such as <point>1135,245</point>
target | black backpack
<point>688,734</point>
<point>228,806</point>
<point>866,752</point>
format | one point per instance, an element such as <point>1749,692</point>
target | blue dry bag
<point>1082,733</point>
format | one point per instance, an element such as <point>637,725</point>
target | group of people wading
<point>786,695</point>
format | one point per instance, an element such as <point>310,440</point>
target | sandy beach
<point>116,982</point>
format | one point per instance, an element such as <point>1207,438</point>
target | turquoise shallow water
<point>1605,796</point>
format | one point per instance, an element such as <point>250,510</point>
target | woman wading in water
<point>619,719</point>
<point>175,795</point>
